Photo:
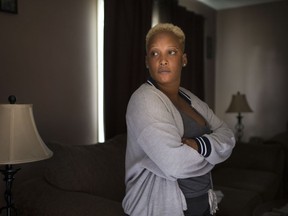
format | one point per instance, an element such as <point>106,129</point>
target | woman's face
<point>165,58</point>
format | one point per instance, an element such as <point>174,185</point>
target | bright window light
<point>155,13</point>
<point>100,69</point>
<point>93,74</point>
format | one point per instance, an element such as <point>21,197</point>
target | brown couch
<point>252,175</point>
<point>79,180</point>
<point>89,180</point>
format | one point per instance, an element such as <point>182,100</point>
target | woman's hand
<point>190,142</point>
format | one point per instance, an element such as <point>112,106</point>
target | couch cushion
<point>237,202</point>
<point>96,169</point>
<point>266,184</point>
<point>37,198</point>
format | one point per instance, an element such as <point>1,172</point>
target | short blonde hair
<point>166,27</point>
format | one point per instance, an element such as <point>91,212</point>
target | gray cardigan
<point>156,157</point>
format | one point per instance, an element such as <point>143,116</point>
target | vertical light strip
<point>93,79</point>
<point>155,13</point>
<point>100,69</point>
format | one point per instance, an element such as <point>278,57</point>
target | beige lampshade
<point>20,141</point>
<point>239,104</point>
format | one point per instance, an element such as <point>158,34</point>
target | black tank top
<point>194,186</point>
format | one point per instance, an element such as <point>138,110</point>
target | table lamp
<point>20,142</point>
<point>239,105</point>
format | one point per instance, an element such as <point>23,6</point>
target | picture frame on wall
<point>9,6</point>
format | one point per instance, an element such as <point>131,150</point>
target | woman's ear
<point>184,60</point>
<point>146,62</point>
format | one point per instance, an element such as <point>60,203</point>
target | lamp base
<point>9,173</point>
<point>239,128</point>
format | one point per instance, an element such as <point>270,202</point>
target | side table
<point>269,206</point>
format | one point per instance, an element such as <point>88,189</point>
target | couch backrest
<point>256,157</point>
<point>96,169</point>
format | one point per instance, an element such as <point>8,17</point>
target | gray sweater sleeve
<point>156,158</point>
<point>156,125</point>
<point>222,140</point>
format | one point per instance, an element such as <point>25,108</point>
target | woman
<point>173,138</point>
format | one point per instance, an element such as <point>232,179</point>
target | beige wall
<point>252,54</point>
<point>45,59</point>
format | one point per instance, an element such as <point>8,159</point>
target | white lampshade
<point>239,104</point>
<point>20,141</point>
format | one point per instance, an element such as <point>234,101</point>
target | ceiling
<point>225,4</point>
